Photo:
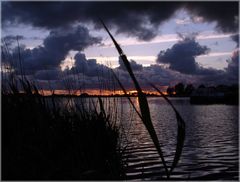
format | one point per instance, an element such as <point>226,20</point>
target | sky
<point>166,42</point>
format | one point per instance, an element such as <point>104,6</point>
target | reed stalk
<point>181,131</point>
<point>143,103</point>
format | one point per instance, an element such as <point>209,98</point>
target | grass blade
<point>125,92</point>
<point>144,108</point>
<point>181,131</point>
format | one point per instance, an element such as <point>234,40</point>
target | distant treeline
<point>187,90</point>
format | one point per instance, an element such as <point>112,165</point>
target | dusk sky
<point>167,42</point>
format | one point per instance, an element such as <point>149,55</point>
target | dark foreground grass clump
<point>41,141</point>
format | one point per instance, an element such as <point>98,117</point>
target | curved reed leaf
<point>144,108</point>
<point>125,92</point>
<point>181,131</point>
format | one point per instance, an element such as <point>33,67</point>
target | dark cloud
<point>235,38</point>
<point>126,17</point>
<point>159,75</point>
<point>89,67</point>
<point>55,48</point>
<point>88,74</point>
<point>49,84</point>
<point>181,57</point>
<point>50,74</point>
<point>230,74</point>
<point>135,66</point>
<point>233,66</point>
<point>139,19</point>
<point>224,13</point>
<point>85,73</point>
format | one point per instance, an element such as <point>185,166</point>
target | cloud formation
<point>229,75</point>
<point>225,14</point>
<point>136,19</point>
<point>55,48</point>
<point>50,74</point>
<point>135,66</point>
<point>88,74</point>
<point>235,38</point>
<point>161,76</point>
<point>233,66</point>
<point>181,56</point>
<point>126,17</point>
<point>88,67</point>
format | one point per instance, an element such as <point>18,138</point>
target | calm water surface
<point>211,144</point>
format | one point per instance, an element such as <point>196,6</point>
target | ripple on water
<point>211,144</point>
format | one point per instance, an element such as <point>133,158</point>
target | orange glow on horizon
<point>96,92</point>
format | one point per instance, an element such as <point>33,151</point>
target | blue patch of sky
<point>219,44</point>
<point>150,49</point>
<point>33,37</point>
<point>216,62</point>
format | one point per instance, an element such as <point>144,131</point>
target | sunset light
<point>119,90</point>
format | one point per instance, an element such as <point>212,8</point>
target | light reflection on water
<point>211,143</point>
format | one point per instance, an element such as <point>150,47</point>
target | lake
<point>211,144</point>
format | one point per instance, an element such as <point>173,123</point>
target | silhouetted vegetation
<point>42,141</point>
<point>180,90</point>
<point>44,138</point>
<point>222,94</point>
<point>145,115</point>
<point>189,89</point>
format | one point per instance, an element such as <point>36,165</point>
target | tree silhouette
<point>179,89</point>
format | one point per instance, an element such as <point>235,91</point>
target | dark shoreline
<point>193,100</point>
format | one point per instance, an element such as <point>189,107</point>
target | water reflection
<point>211,143</point>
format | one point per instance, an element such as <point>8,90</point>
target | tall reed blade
<point>144,108</point>
<point>181,131</point>
<point>102,110</point>
<point>125,92</point>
